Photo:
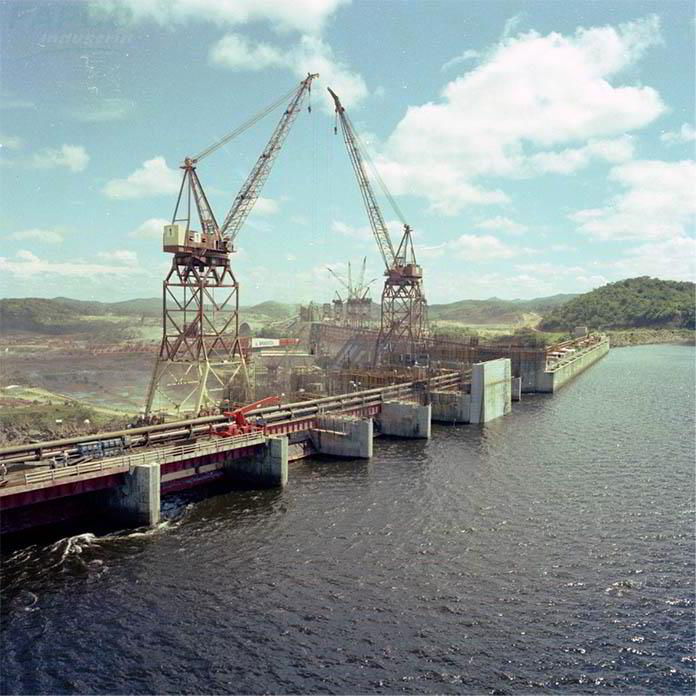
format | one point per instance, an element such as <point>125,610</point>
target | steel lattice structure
<point>403,312</point>
<point>202,364</point>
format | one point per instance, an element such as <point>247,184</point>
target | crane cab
<point>413,270</point>
<point>173,237</point>
<point>177,239</point>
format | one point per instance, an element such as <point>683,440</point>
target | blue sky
<point>534,147</point>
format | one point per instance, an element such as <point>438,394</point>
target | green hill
<point>150,306</point>
<point>494,310</point>
<point>631,303</point>
<point>34,314</point>
<point>273,310</point>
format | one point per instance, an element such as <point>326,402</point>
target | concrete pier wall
<point>267,470</point>
<point>450,406</point>
<point>137,501</point>
<point>554,378</point>
<point>530,371</point>
<point>406,419</point>
<point>491,390</point>
<point>516,387</point>
<point>342,436</point>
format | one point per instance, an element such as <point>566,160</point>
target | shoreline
<point>623,338</point>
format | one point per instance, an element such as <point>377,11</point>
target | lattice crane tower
<point>201,361</point>
<point>404,308</point>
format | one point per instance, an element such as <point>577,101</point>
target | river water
<point>550,551</point>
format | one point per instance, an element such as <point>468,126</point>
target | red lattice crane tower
<point>201,359</point>
<point>404,308</point>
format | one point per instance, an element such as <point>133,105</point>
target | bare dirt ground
<point>60,386</point>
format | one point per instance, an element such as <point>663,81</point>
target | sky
<point>534,147</point>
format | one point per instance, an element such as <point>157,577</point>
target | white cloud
<point>531,95</point>
<point>154,178</point>
<point>658,203</point>
<point>238,53</point>
<point>310,54</point>
<point>124,256</point>
<point>473,247</point>
<point>364,232</point>
<point>511,23</point>
<point>299,15</point>
<point>671,258</point>
<point>11,142</point>
<point>571,159</point>
<point>503,224</point>
<point>72,157</point>
<point>27,265</point>
<point>152,228</point>
<point>266,206</point>
<point>686,134</point>
<point>470,54</point>
<point>40,235</point>
<point>27,256</point>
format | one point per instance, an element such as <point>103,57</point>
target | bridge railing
<point>150,435</point>
<point>159,454</point>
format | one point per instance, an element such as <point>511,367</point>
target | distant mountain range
<point>494,310</point>
<point>65,315</point>
<point>625,304</point>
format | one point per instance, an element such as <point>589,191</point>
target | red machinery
<point>238,424</point>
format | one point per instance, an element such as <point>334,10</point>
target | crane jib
<point>251,188</point>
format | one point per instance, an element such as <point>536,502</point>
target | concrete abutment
<point>343,436</point>
<point>137,501</point>
<point>406,419</point>
<point>269,469</point>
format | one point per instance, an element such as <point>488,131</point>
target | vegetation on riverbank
<point>632,303</point>
<point>637,337</point>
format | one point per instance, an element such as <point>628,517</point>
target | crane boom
<point>341,281</point>
<point>249,193</point>
<point>379,228</point>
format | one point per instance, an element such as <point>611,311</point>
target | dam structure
<point>57,480</point>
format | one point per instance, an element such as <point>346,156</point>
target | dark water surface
<point>551,551</point>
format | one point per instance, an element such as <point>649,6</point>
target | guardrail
<point>556,364</point>
<point>161,455</point>
<point>153,434</point>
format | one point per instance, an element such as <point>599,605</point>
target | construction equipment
<point>403,309</point>
<point>356,309</point>
<point>239,424</point>
<point>201,357</point>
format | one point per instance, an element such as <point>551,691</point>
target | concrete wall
<point>266,470</point>
<point>530,372</point>
<point>551,380</point>
<point>137,501</point>
<point>405,419</point>
<point>516,387</point>
<point>450,406</point>
<point>491,392</point>
<point>343,436</point>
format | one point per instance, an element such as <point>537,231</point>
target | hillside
<point>273,310</point>
<point>631,303</point>
<point>149,306</point>
<point>494,310</point>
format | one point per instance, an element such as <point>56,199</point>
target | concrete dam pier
<point>166,458</point>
